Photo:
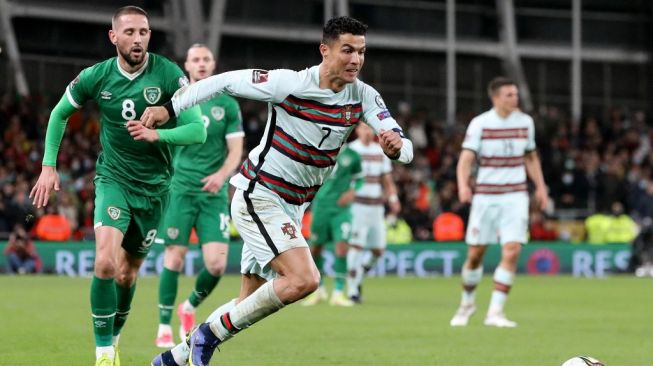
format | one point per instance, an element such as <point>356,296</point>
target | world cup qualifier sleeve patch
<point>259,76</point>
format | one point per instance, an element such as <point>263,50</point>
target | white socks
<point>163,329</point>
<point>503,280</point>
<point>354,271</point>
<point>188,307</point>
<point>471,278</point>
<point>263,302</point>
<point>107,350</point>
<point>224,308</point>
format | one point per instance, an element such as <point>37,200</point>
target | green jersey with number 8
<point>141,166</point>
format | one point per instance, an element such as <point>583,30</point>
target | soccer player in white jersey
<point>502,140</point>
<point>368,224</point>
<point>311,113</point>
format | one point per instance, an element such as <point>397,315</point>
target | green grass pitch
<point>404,321</point>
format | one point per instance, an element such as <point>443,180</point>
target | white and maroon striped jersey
<point>375,165</point>
<point>500,145</point>
<point>306,127</point>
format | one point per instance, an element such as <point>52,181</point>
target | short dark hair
<point>129,9</point>
<point>341,25</point>
<point>495,84</point>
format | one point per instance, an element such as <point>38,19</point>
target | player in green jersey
<point>199,199</point>
<point>133,171</point>
<point>332,223</point>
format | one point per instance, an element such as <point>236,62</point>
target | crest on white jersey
<point>346,112</point>
<point>152,94</point>
<point>217,113</point>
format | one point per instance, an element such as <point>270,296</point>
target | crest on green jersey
<point>152,94</point>
<point>114,212</point>
<point>217,113</point>
<point>173,233</point>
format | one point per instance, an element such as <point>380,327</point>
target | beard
<point>132,61</point>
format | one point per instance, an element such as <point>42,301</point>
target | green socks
<point>167,294</point>
<point>103,310</point>
<point>204,284</point>
<point>124,296</point>
<point>340,269</point>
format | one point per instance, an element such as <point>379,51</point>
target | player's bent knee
<point>216,267</point>
<point>104,267</point>
<point>302,286</point>
<point>125,279</point>
<point>174,257</point>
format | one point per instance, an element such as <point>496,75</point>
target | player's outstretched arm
<point>49,178</point>
<point>391,138</point>
<point>255,84</point>
<point>190,130</point>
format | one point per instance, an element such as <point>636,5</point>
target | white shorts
<point>368,226</point>
<point>498,219</point>
<point>268,225</point>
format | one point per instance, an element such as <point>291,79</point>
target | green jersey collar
<point>135,74</point>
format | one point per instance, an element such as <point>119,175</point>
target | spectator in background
<point>644,202</point>
<point>596,227</point>
<point>641,259</point>
<point>622,228</point>
<point>448,227</point>
<point>85,230</point>
<point>67,208</point>
<point>541,228</point>
<point>21,254</point>
<point>398,231</point>
<point>53,226</point>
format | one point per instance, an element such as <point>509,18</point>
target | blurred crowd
<point>589,167</point>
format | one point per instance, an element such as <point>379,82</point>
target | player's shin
<point>103,311</point>
<point>470,279</point>
<point>124,297</point>
<point>340,269</point>
<point>204,284</point>
<point>167,293</point>
<point>355,271</point>
<point>503,280</point>
<point>263,302</point>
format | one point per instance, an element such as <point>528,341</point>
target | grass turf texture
<point>404,321</point>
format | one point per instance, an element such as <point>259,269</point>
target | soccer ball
<point>583,361</point>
